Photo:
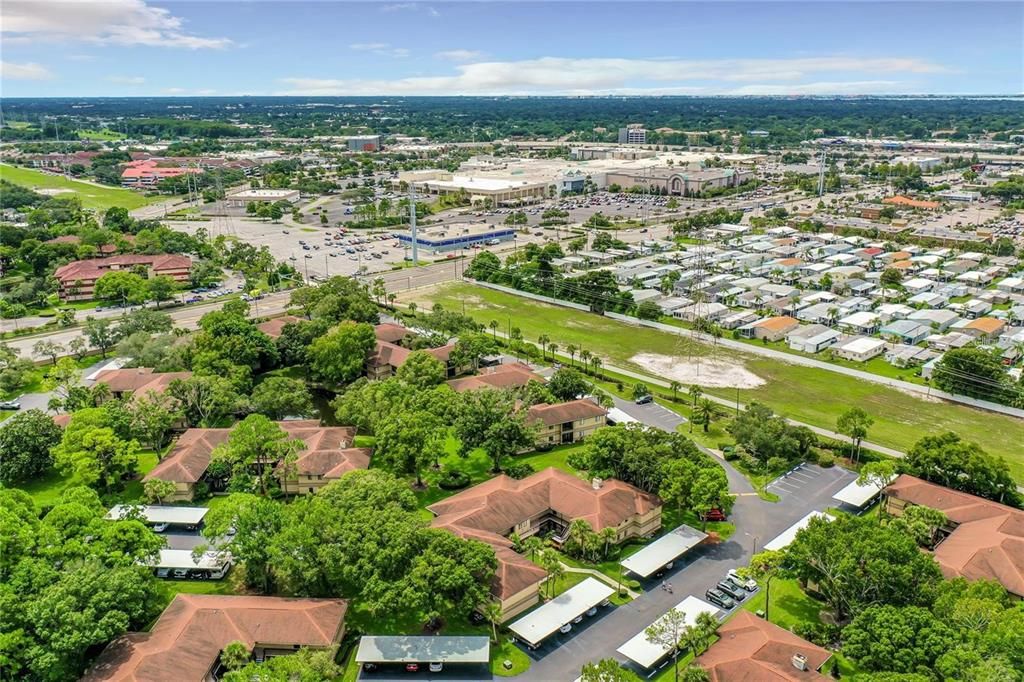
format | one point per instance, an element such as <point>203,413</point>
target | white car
<point>436,667</point>
<point>749,584</point>
<point>565,629</point>
<point>159,528</point>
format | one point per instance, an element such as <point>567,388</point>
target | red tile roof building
<point>275,326</point>
<point>387,356</point>
<point>148,172</point>
<point>138,380</point>
<point>569,422</point>
<point>986,539</point>
<point>78,278</point>
<point>185,642</point>
<point>326,455</point>
<point>546,501</point>
<point>510,375</point>
<point>750,649</point>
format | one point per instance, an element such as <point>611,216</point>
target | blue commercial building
<point>462,241</point>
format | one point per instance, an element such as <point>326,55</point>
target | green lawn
<point>807,394</point>
<point>789,606</point>
<point>47,489</point>
<point>99,135</point>
<point>92,196</point>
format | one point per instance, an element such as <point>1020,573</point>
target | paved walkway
<point>607,580</point>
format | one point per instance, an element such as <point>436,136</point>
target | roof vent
<point>799,661</point>
<point>596,483</point>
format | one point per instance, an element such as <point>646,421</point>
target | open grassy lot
<point>99,135</point>
<point>92,196</point>
<point>46,490</point>
<point>807,394</point>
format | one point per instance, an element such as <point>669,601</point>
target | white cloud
<point>874,87</point>
<point>459,55</point>
<point>173,91</point>
<point>611,76</point>
<point>206,92</point>
<point>26,71</point>
<point>382,49</point>
<point>127,80</point>
<point>408,7</point>
<point>110,22</point>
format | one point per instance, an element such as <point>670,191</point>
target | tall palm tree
<point>695,393</point>
<point>585,358</point>
<point>571,350</point>
<point>493,324</point>
<point>532,546</point>
<point>596,363</point>
<point>543,341</point>
<point>553,348</point>
<point>608,535</point>
<point>492,612</point>
<point>705,412</point>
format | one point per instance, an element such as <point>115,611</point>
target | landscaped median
<point>807,394</point>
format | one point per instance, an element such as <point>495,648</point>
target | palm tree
<point>695,393</point>
<point>492,612</point>
<point>674,387</point>
<point>609,536</point>
<point>553,348</point>
<point>596,363</point>
<point>543,341</point>
<point>585,358</point>
<point>705,412</point>
<point>493,324</point>
<point>571,350</point>
<point>533,545</point>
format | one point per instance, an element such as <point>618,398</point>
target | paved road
<point>652,414</point>
<point>184,318</point>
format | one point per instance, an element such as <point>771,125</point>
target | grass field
<point>99,135</point>
<point>46,490</point>
<point>807,394</point>
<point>92,196</point>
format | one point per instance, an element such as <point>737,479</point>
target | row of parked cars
<point>731,590</point>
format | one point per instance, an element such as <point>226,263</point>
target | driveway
<point>40,401</point>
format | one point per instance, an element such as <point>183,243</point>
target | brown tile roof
<point>94,268</point>
<point>560,413</point>
<point>139,380</point>
<point>394,355</point>
<point>988,541</point>
<point>324,447</point>
<point>490,510</point>
<point>188,460</point>
<point>191,632</point>
<point>391,333</point>
<point>511,375</point>
<point>750,649</point>
<point>274,327</point>
<point>62,420</point>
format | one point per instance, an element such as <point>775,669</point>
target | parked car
<point>412,667</point>
<point>592,611</point>
<point>369,667</point>
<point>713,515</point>
<point>180,573</point>
<point>565,629</point>
<point>644,400</point>
<point>14,404</point>
<point>719,598</point>
<point>749,584</point>
<point>436,667</point>
<point>732,590</point>
<point>159,528</point>
<point>577,620</point>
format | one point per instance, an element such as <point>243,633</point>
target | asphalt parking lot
<point>396,672</point>
<point>805,479</point>
<point>651,414</point>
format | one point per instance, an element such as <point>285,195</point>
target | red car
<point>713,515</point>
<point>412,667</point>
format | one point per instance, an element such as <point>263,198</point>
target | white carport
<point>787,536</point>
<point>645,653</point>
<point>665,549</point>
<point>617,416</point>
<point>179,516</point>
<point>544,621</point>
<point>858,495</point>
<point>423,649</point>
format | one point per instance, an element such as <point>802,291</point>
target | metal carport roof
<point>663,550</point>
<point>787,536</point>
<point>189,516</point>
<point>858,495</point>
<point>646,653</point>
<point>545,620</point>
<point>423,649</point>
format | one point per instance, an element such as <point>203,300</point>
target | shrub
<point>453,479</point>
<point>578,460</point>
<point>826,460</point>
<point>519,470</point>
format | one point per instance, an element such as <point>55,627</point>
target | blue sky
<point>145,47</point>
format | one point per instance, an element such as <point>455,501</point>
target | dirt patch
<point>54,191</point>
<point>920,396</point>
<point>706,372</point>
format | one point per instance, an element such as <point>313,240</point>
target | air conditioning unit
<point>799,661</point>
<point>596,483</point>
